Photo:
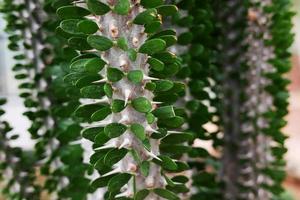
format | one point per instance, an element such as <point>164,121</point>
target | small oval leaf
<point>97,7</point>
<point>100,43</point>
<point>72,12</point>
<point>153,46</point>
<point>135,76</point>
<point>139,131</point>
<point>114,74</point>
<point>117,182</point>
<point>114,130</point>
<point>87,26</point>
<point>122,7</point>
<point>141,104</point>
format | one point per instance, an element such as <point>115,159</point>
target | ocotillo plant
<point>127,110</point>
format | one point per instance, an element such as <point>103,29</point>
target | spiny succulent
<point>127,98</point>
<point>255,148</point>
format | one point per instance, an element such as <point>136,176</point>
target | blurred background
<point>14,107</point>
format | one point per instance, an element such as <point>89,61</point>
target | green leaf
<point>114,74</point>
<point>92,92</point>
<point>166,194</point>
<point>180,179</point>
<point>78,65</point>
<point>139,131</point>
<point>132,54</point>
<point>86,80</point>
<point>169,39</point>
<point>174,149</point>
<point>100,43</point>
<point>150,86</point>
<point>156,64</point>
<point>84,56</point>
<point>122,43</point>
<point>79,43</point>
<point>100,139</point>
<point>122,7</point>
<point>117,182</point>
<point>101,167</point>
<point>117,105</point>
<point>174,122</point>
<point>101,114</point>
<point>150,118</point>
<point>178,138</point>
<point>87,26</point>
<point>178,188</point>
<point>97,7</point>
<point>153,26</point>
<point>91,133</point>
<point>99,154</point>
<point>163,33</point>
<point>135,76</point>
<point>167,163</point>
<point>142,194</point>
<point>70,26</point>
<point>141,104</point>
<point>114,130</point>
<point>185,38</point>
<point>147,145</point>
<point>146,17</point>
<point>169,181</point>
<point>167,10</point>
<point>160,133</point>
<point>163,85</point>
<point>102,181</point>
<point>136,156</point>
<point>72,12</point>
<point>153,46</point>
<point>94,65</point>
<point>114,156</point>
<point>152,3</point>
<point>166,57</point>
<point>145,168</point>
<point>85,111</point>
<point>108,90</point>
<point>164,112</point>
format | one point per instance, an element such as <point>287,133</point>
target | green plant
<point>50,102</point>
<point>102,75</point>
<point>252,63</point>
<point>197,47</point>
<point>131,111</point>
<point>16,172</point>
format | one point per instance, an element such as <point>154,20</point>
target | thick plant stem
<point>114,26</point>
<point>254,145</point>
<point>126,121</point>
<point>260,101</point>
<point>232,20</point>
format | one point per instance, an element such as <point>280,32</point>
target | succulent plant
<point>126,94</point>
<point>197,48</point>
<point>253,147</point>
<point>16,172</point>
<point>118,91</point>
